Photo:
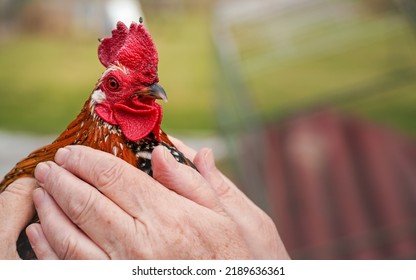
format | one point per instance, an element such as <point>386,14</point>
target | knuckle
<point>16,193</point>
<point>57,177</point>
<point>68,249</point>
<point>23,183</point>
<point>106,175</point>
<point>74,158</point>
<point>268,223</point>
<point>163,174</point>
<point>199,183</point>
<point>81,207</point>
<point>20,187</point>
<point>223,189</point>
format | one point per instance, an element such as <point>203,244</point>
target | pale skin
<point>16,211</point>
<point>93,205</point>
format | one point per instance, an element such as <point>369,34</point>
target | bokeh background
<point>308,104</point>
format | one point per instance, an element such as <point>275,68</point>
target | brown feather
<point>84,130</point>
<point>89,130</point>
<point>133,50</point>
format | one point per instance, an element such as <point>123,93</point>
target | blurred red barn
<point>339,187</point>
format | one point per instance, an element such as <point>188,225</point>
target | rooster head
<point>126,93</point>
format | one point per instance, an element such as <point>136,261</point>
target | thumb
<point>16,210</point>
<point>17,207</point>
<point>222,186</point>
<point>234,201</point>
<point>183,180</point>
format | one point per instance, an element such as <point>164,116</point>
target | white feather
<point>144,154</point>
<point>98,96</point>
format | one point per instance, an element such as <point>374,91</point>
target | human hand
<point>257,228</point>
<point>211,190</point>
<point>16,210</point>
<point>94,205</point>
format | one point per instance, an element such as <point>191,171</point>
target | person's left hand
<point>16,210</point>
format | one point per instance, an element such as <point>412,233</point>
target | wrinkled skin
<point>16,210</point>
<point>181,214</point>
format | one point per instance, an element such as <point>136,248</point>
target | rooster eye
<point>112,84</point>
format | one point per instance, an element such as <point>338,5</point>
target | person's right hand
<point>205,217</point>
<point>93,205</point>
<point>256,226</point>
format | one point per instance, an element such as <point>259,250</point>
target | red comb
<point>134,49</point>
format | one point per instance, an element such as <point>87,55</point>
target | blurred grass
<point>186,69</point>
<point>365,65</point>
<point>44,80</point>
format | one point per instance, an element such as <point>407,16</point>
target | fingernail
<point>38,195</point>
<point>42,172</point>
<point>33,234</point>
<point>166,155</point>
<point>169,159</point>
<point>209,159</point>
<point>61,155</point>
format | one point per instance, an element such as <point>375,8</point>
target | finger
<point>96,215</point>
<point>251,219</point>
<point>39,243</point>
<point>17,207</point>
<point>186,150</point>
<point>222,186</point>
<point>183,180</point>
<point>233,200</point>
<point>124,184</point>
<point>59,233</point>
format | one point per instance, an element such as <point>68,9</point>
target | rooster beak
<point>154,91</point>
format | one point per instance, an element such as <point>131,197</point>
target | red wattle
<point>105,112</point>
<point>136,119</point>
<point>156,129</point>
<point>138,123</point>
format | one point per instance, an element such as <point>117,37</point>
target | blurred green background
<point>357,55</point>
<point>48,63</point>
<point>48,69</point>
<point>233,71</point>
